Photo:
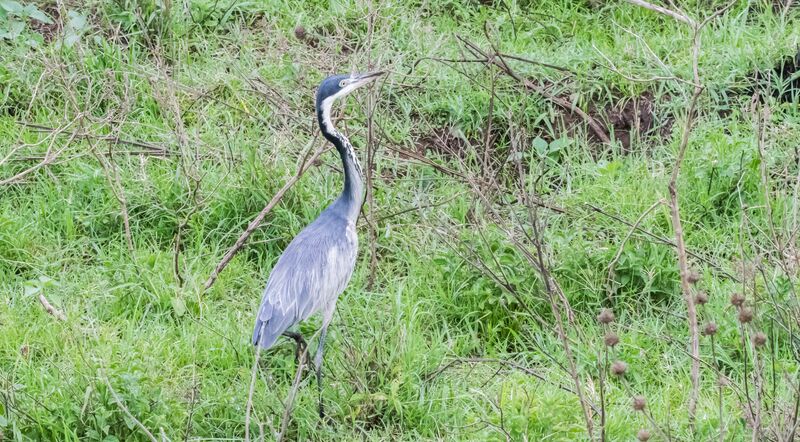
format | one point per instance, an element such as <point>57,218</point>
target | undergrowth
<point>139,138</point>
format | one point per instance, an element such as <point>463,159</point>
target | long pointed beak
<point>369,76</point>
<point>362,79</point>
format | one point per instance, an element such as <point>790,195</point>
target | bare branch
<point>661,10</point>
<point>371,148</point>
<point>108,138</point>
<point>256,222</point>
<point>287,413</point>
<point>496,58</point>
<point>49,157</point>
<point>127,412</point>
<point>613,263</point>
<point>50,309</point>
<point>249,405</point>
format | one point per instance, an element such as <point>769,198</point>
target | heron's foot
<point>322,416</point>
<point>300,355</point>
<point>300,344</point>
<point>325,419</point>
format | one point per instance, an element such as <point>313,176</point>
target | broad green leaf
<point>71,39</point>
<point>15,29</point>
<point>179,306</point>
<point>31,289</point>
<point>34,13</point>
<point>559,144</point>
<point>76,21</point>
<point>540,145</point>
<point>11,6</point>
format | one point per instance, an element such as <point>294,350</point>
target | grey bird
<point>317,265</point>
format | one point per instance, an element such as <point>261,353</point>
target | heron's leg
<point>301,344</point>
<point>318,366</point>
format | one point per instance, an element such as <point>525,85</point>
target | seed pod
<point>643,435</point>
<point>710,329</point>
<point>745,315</point>
<point>639,403</point>
<point>606,316</point>
<point>692,277</point>
<point>701,298</point>
<point>737,299</point>
<point>759,339</point>
<point>619,368</point>
<point>611,339</point>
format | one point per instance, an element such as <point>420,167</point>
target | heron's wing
<point>313,270</point>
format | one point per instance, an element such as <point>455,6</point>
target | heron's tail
<point>258,332</point>
<point>269,327</point>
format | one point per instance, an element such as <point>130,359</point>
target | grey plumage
<point>310,275</point>
<point>317,265</point>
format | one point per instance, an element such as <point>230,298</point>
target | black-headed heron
<point>317,265</point>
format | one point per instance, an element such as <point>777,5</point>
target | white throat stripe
<point>327,104</point>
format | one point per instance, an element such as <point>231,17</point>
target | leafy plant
<point>14,16</point>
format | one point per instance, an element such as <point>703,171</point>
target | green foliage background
<point>415,356</point>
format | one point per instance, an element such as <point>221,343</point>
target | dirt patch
<point>301,34</point>
<point>631,117</point>
<point>48,31</point>
<point>445,141</point>
<point>625,120</point>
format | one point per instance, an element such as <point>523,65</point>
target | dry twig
<point>304,166</point>
<point>661,10</point>
<point>287,413</point>
<point>612,265</point>
<point>50,309</point>
<point>127,412</point>
<point>50,156</point>
<point>675,210</point>
<point>113,139</point>
<point>683,264</point>
<point>249,405</point>
<point>497,59</point>
<point>372,148</point>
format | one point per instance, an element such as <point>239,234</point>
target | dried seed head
<point>737,299</point>
<point>606,316</point>
<point>24,351</point>
<point>300,32</point>
<point>611,339</point>
<point>710,329</point>
<point>692,277</point>
<point>701,298</point>
<point>759,339</point>
<point>643,435</point>
<point>745,315</point>
<point>639,403</point>
<point>619,368</point>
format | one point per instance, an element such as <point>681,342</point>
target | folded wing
<point>309,276</point>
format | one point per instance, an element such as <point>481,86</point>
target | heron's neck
<point>353,193</point>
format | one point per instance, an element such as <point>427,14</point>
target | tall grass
<point>139,138</point>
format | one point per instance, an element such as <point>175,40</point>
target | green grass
<point>179,356</point>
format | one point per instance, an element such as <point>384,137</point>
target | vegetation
<point>519,272</point>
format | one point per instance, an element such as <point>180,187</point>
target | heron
<point>317,264</point>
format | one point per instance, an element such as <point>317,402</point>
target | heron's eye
<point>342,83</point>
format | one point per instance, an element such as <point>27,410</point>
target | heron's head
<point>339,86</point>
